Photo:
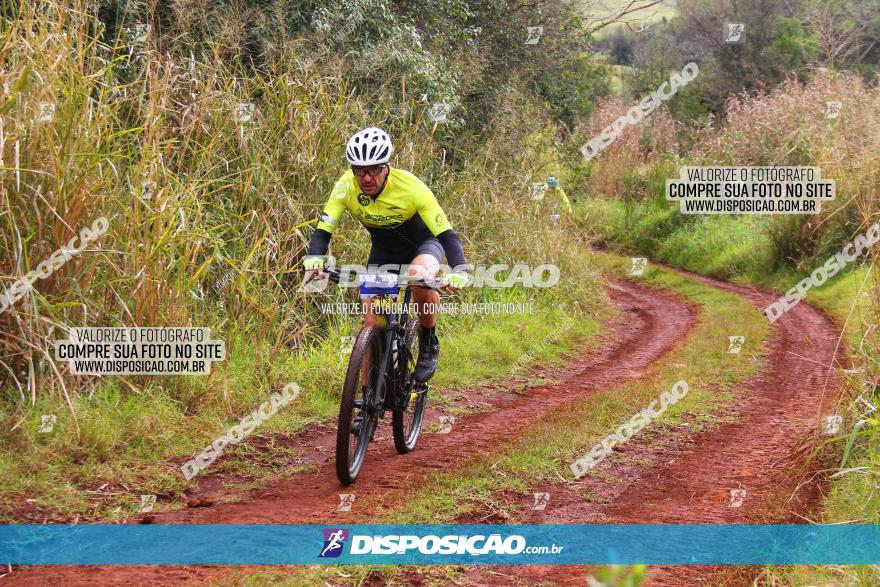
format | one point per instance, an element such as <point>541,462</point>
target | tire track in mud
<point>649,323</point>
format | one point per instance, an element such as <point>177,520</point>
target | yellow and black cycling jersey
<point>399,218</point>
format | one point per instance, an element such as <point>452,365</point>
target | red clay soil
<point>687,483</point>
<point>687,478</point>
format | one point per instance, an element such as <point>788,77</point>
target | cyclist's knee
<point>425,266</point>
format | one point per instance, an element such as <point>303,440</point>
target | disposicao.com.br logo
<point>476,545</point>
<point>334,541</point>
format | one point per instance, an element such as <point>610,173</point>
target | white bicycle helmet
<point>370,146</point>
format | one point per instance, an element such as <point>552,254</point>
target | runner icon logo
<point>346,343</point>
<point>536,192</point>
<point>313,284</point>
<point>541,500</point>
<point>534,34</point>
<point>244,112</point>
<point>737,496</point>
<point>639,264</point>
<point>147,189</point>
<point>832,108</point>
<point>735,343</point>
<point>147,503</point>
<point>438,111</point>
<point>446,423</point>
<point>47,112</point>
<point>334,540</point>
<point>47,422</point>
<point>733,32</point>
<point>346,500</point>
<point>832,425</point>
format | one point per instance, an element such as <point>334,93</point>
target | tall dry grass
<point>620,169</point>
<point>218,241</point>
<point>787,126</point>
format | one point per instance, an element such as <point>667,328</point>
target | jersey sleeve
<point>430,211</point>
<point>566,205</point>
<point>336,204</point>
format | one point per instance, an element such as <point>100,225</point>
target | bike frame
<point>395,328</point>
<point>394,325</point>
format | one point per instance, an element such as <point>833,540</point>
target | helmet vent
<point>369,146</point>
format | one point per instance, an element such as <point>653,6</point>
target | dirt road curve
<point>689,479</point>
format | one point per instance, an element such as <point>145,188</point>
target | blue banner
<point>561,544</point>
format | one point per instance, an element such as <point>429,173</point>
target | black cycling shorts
<point>430,246</point>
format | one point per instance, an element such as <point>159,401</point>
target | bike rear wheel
<point>357,408</point>
<point>409,403</point>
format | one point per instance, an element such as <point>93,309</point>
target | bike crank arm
<point>413,394</point>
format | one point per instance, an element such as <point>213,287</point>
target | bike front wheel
<point>357,409</point>
<point>409,405</point>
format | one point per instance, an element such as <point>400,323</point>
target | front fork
<point>396,389</point>
<point>389,376</point>
<point>392,383</point>
<point>401,391</point>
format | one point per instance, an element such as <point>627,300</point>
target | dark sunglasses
<point>372,171</point>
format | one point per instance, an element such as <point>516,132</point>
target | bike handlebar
<point>413,281</point>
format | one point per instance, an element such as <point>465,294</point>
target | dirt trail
<point>688,482</point>
<point>688,478</point>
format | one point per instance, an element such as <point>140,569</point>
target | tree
<point>621,47</point>
<point>774,43</point>
<point>790,49</point>
<point>847,31</point>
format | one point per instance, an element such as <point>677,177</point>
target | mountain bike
<point>379,375</point>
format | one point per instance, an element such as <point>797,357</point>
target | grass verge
<point>133,443</point>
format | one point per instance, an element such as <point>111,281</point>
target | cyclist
<point>563,202</point>
<point>407,228</point>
